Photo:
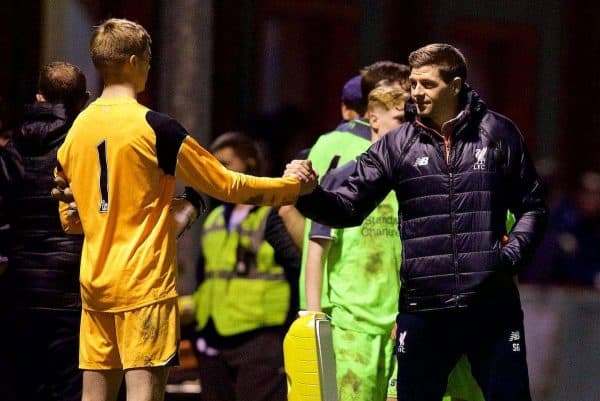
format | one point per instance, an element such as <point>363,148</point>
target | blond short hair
<point>387,97</point>
<point>115,40</point>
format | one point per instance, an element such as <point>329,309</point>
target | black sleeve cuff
<point>191,195</point>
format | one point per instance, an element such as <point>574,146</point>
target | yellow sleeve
<point>201,170</point>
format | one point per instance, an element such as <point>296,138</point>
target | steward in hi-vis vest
<point>243,287</point>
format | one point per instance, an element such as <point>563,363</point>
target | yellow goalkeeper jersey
<point>120,160</point>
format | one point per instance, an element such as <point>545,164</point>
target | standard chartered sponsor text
<point>379,226</point>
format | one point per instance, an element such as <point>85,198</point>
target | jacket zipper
<point>449,164</point>
<point>453,233</point>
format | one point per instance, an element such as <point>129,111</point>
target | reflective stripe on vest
<point>243,288</point>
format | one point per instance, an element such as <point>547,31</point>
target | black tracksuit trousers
<point>490,334</point>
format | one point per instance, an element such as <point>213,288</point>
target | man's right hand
<point>62,192</point>
<point>303,171</point>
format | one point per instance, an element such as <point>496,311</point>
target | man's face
<point>434,98</point>
<point>383,121</point>
<point>230,160</point>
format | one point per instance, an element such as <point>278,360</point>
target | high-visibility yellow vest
<point>243,288</point>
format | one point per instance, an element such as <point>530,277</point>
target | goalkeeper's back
<point>120,160</point>
<point>121,170</point>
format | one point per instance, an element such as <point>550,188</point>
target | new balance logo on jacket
<point>421,161</point>
<point>514,338</point>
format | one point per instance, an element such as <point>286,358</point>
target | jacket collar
<point>471,111</point>
<point>359,127</point>
<point>44,127</point>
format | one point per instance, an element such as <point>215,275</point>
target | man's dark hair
<point>243,146</point>
<point>449,59</point>
<point>61,82</point>
<point>380,72</point>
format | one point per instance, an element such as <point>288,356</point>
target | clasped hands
<point>63,193</point>
<point>302,170</point>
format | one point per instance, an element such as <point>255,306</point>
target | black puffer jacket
<point>11,174</point>
<point>452,212</point>
<point>45,261</point>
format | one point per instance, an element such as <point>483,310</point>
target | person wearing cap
<point>351,110</point>
<point>351,99</point>
<point>346,141</point>
<point>360,267</point>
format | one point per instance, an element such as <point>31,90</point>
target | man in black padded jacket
<point>44,264</point>
<point>11,174</point>
<point>456,168</point>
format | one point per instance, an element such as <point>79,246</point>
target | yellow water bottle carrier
<point>309,359</point>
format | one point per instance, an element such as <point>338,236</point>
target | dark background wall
<point>19,50</point>
<point>278,65</point>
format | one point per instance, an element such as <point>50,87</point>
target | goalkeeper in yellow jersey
<point>121,161</point>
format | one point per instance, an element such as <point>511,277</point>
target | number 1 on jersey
<point>103,177</point>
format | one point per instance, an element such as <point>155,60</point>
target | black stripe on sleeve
<point>169,137</point>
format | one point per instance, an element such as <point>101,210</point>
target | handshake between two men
<point>186,210</point>
<point>303,171</point>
